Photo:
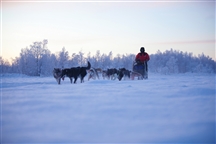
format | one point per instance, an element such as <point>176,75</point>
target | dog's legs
<point>58,80</point>
<point>114,76</point>
<point>75,79</point>
<point>97,75</point>
<point>132,77</point>
<point>82,80</point>
<point>104,76</point>
<point>71,79</point>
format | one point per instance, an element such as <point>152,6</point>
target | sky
<point>118,26</point>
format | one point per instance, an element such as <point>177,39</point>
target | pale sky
<point>121,27</point>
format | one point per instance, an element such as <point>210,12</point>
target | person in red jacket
<point>141,59</point>
<point>142,56</point>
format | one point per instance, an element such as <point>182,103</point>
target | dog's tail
<point>89,66</point>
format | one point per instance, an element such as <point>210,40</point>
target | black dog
<point>112,73</point>
<point>122,72</point>
<point>75,72</point>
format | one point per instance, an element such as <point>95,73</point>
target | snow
<point>165,108</point>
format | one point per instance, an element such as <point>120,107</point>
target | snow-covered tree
<point>62,58</point>
<point>74,60</point>
<point>4,65</point>
<point>171,64</point>
<point>38,50</point>
<point>82,59</point>
<point>28,62</point>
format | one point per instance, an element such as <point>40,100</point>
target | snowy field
<point>165,108</point>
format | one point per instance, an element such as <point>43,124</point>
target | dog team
<point>80,72</point>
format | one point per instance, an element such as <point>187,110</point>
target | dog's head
<point>57,72</point>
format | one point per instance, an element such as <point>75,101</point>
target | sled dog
<point>57,74</point>
<point>134,74</point>
<point>123,72</point>
<point>93,73</point>
<point>111,73</point>
<point>75,72</point>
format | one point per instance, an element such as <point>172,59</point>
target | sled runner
<point>141,68</point>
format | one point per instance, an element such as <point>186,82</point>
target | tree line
<point>37,60</point>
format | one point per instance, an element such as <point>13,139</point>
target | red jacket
<point>142,57</point>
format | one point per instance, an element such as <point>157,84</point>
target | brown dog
<point>134,74</point>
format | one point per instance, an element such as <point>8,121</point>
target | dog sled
<point>141,68</point>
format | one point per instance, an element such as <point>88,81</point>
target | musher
<point>141,59</point>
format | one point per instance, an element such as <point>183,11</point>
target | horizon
<point>121,27</point>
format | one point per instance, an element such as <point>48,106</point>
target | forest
<point>37,60</point>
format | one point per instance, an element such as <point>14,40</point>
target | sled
<point>141,68</point>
